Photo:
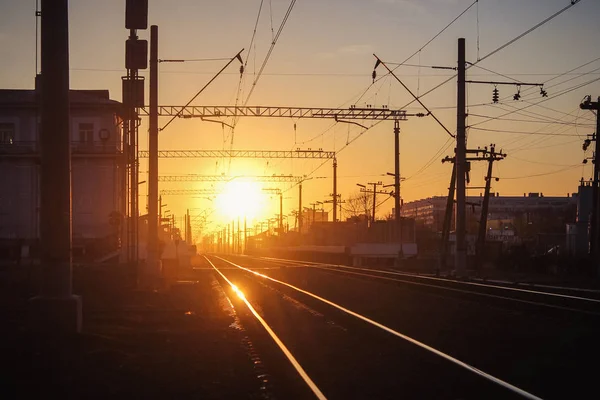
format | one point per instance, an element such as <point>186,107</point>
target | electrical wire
<point>543,173</point>
<point>539,121</point>
<point>565,91</point>
<point>273,43</point>
<point>519,132</point>
<point>573,2</point>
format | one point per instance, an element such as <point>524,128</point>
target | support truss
<point>320,154</point>
<point>224,178</point>
<point>368,113</point>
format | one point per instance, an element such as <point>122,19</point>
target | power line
<point>542,101</point>
<point>540,162</point>
<point>539,121</point>
<point>544,173</point>
<point>573,2</point>
<point>519,132</point>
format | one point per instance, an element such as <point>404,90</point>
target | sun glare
<point>240,199</point>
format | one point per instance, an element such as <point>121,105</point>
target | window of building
<point>86,133</point>
<point>7,133</point>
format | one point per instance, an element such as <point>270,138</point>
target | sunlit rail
<point>313,387</point>
<point>422,345</point>
<point>371,271</point>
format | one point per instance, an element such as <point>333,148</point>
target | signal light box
<point>136,14</point>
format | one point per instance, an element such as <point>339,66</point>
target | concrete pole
<point>300,208</point>
<point>238,247</point>
<point>461,164</point>
<point>232,236</point>
<point>153,264</point>
<point>374,202</point>
<point>334,190</point>
<point>280,213</point>
<point>447,220</point>
<point>245,235</point>
<point>480,250</point>
<point>56,309</point>
<point>397,215</point>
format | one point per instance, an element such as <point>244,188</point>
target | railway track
<point>584,301</point>
<point>342,353</point>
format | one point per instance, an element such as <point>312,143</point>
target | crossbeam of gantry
<point>366,113</point>
<point>304,154</point>
<point>224,178</point>
<point>188,192</point>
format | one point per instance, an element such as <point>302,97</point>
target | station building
<point>98,175</point>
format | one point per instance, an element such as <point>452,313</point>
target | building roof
<point>78,98</point>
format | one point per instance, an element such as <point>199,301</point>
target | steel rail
<point>484,285</point>
<point>313,387</point>
<point>493,296</point>
<point>422,345</point>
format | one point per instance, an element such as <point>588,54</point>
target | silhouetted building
<point>519,211</point>
<point>98,200</point>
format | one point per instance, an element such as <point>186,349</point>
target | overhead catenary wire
<point>542,173</point>
<point>518,37</point>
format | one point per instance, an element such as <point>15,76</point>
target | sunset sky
<point>324,58</point>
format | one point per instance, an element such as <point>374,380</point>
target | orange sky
<point>324,59</point>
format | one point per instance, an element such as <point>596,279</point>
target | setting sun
<point>240,199</point>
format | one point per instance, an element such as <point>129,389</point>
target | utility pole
<point>491,156</point>
<point>375,192</point>
<point>397,214</point>
<point>232,236</point>
<point>461,163</point>
<point>188,227</point>
<point>314,210</point>
<point>588,104</point>
<point>245,236</point>
<point>300,207</point>
<point>447,218</point>
<point>239,246</point>
<point>55,309</point>
<point>335,195</point>
<point>280,213</point>
<point>397,197</point>
<point>153,263</point>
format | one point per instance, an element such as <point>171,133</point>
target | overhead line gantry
<point>225,178</point>
<point>338,114</point>
<point>367,113</point>
<point>320,154</point>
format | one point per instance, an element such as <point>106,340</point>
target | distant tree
<point>359,204</point>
